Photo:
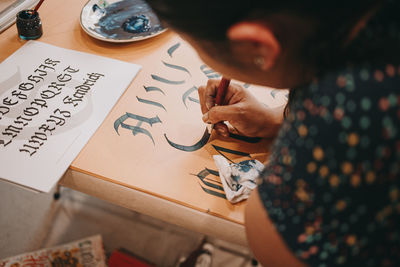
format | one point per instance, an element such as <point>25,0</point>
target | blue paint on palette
<point>136,24</point>
<point>126,19</point>
<point>98,9</point>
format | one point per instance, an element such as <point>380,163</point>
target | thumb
<point>220,113</point>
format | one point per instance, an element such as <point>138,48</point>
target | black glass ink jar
<point>29,25</point>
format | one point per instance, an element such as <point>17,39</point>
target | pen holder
<point>29,25</point>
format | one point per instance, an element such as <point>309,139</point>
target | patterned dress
<point>332,185</point>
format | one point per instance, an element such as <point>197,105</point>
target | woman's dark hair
<point>324,50</point>
<point>334,19</point>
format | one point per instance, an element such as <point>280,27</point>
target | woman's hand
<point>241,109</point>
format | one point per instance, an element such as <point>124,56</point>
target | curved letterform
<point>221,149</point>
<point>203,175</point>
<point>176,67</point>
<point>194,100</point>
<point>172,49</point>
<point>210,73</point>
<point>145,101</point>
<point>163,80</point>
<point>192,148</point>
<point>212,192</point>
<point>136,129</point>
<point>153,88</point>
<point>187,93</point>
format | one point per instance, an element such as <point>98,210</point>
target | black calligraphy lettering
<point>4,143</point>
<point>70,100</point>
<point>34,78</point>
<point>12,131</point>
<point>56,120</point>
<point>3,111</point>
<point>70,70</point>
<point>203,176</point>
<point>22,120</point>
<point>26,86</point>
<point>9,102</point>
<point>57,86</point>
<point>94,76</point>
<point>64,77</point>
<point>49,94</point>
<point>51,62</point>
<point>64,113</point>
<point>44,67</point>
<point>81,91</point>
<point>47,128</point>
<point>88,82</point>
<point>216,186</point>
<point>31,150</point>
<point>19,95</point>
<point>38,138</point>
<point>151,102</point>
<point>39,102</point>
<point>220,149</point>
<point>40,72</point>
<point>31,111</point>
<point>136,129</point>
<point>202,142</point>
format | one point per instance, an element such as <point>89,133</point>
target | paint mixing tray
<point>120,21</point>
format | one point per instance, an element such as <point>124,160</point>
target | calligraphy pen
<point>32,12</point>
<point>220,96</point>
<point>37,6</point>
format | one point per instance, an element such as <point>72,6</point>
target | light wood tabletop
<point>146,173</point>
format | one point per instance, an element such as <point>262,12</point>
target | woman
<point>329,194</point>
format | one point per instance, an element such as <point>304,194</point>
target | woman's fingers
<point>203,106</point>
<point>207,94</point>
<point>221,113</point>
<point>222,129</point>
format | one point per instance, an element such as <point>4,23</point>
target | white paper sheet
<point>52,100</point>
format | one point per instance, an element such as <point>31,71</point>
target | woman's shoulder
<point>356,81</point>
<point>352,91</point>
<point>332,178</point>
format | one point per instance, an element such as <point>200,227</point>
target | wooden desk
<point>169,190</point>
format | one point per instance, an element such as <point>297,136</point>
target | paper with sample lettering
<point>51,102</point>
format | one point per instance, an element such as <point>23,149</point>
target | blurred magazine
<point>86,252</point>
<point>9,10</point>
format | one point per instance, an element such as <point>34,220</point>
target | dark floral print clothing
<point>332,185</point>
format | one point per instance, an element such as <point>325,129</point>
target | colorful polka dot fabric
<point>332,184</point>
